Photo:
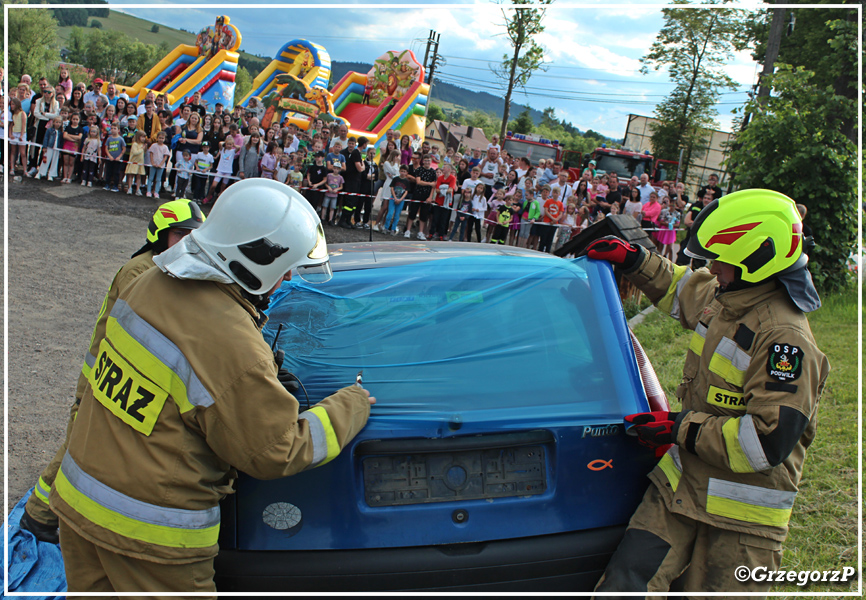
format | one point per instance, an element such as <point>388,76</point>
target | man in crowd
<point>354,161</point>
<point>645,188</point>
<point>713,186</point>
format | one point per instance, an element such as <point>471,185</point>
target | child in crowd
<point>202,164</point>
<point>184,169</point>
<point>514,232</point>
<point>271,160</point>
<point>479,208</point>
<point>506,214</point>
<point>474,179</point>
<point>158,153</point>
<point>315,178</point>
<point>398,192</point>
<point>283,169</point>
<point>333,186</point>
<point>464,208</point>
<point>72,135</point>
<point>334,158</point>
<point>114,149</point>
<point>135,168</point>
<point>225,169</point>
<point>494,143</point>
<point>669,218</point>
<point>52,141</point>
<point>296,171</point>
<point>492,218</point>
<point>90,149</point>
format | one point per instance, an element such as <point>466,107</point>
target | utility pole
<point>777,26</point>
<point>427,50</point>
<point>434,60</point>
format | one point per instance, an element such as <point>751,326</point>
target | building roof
<point>453,135</point>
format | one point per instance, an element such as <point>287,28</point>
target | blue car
<point>495,457</point>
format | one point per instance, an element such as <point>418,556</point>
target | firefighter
<point>169,224</point>
<point>185,390</point>
<point>723,491</point>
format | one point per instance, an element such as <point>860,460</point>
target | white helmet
<point>261,229</point>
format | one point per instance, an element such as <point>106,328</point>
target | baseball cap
<point>592,162</point>
<point>205,143</point>
<point>131,118</point>
<point>97,81</point>
<point>320,153</point>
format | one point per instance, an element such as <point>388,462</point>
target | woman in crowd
<point>72,136</point>
<point>405,150</point>
<point>250,155</point>
<point>633,205</point>
<point>462,171</point>
<point>76,102</point>
<point>651,210</point>
<point>120,107</point>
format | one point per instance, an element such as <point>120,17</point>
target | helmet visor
<point>316,273</point>
<point>321,272</point>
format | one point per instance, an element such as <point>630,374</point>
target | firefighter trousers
<point>663,551</point>
<point>37,503</point>
<point>92,568</point>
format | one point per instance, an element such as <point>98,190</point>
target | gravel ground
<point>65,243</point>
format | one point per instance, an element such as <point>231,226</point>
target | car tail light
<point>654,393</point>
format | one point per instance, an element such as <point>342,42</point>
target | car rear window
<point>463,336</point>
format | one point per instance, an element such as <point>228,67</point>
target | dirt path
<point>65,244</point>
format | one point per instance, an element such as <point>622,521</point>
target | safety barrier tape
<point>236,178</point>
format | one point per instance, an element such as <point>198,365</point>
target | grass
<point>139,29</point>
<point>823,527</point>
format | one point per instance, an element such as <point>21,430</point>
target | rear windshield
<point>462,334</point>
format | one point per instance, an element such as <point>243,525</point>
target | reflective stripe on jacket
<point>745,425</point>
<point>184,390</point>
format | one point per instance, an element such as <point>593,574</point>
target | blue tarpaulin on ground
<point>34,566</point>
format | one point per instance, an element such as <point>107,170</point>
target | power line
<point>463,82</point>
<point>590,80</point>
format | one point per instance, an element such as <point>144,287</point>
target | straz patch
<point>785,362</point>
<point>128,394</point>
<point>726,398</point>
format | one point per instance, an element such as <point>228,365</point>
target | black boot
<point>42,532</point>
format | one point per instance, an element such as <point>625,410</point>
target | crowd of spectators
<point>82,134</point>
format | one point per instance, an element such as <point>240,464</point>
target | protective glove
<point>653,429</point>
<point>615,250</point>
<point>289,381</point>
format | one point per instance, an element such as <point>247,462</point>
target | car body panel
<point>458,342</point>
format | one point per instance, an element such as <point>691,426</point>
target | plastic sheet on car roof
<point>465,335</point>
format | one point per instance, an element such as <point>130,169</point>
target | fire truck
<point>627,164</point>
<point>532,146</point>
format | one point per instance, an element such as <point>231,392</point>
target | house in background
<point>451,135</point>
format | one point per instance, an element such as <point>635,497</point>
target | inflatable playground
<point>208,67</point>
<point>392,95</point>
<point>295,85</point>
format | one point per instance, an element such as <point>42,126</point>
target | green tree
<point>794,144</point>
<point>522,25</point>
<point>112,54</point>
<point>33,45</point>
<point>548,117</point>
<point>434,113</point>
<point>522,124</point>
<point>95,24</point>
<point>71,17</point>
<point>694,45</point>
<point>155,28</point>
<point>243,84</point>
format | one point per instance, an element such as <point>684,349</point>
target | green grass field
<point>823,528</point>
<point>140,29</point>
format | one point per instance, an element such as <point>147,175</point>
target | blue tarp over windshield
<point>464,334</point>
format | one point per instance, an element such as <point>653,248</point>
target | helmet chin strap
<point>260,301</point>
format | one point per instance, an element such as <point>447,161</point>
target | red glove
<point>614,250</point>
<point>653,429</point>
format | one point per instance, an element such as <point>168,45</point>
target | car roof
<point>373,255</point>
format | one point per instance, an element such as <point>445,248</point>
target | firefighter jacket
<point>183,391</point>
<point>750,390</point>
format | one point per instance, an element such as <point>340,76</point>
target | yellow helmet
<point>182,213</point>
<point>759,231</point>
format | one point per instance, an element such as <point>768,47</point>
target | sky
<point>593,51</point>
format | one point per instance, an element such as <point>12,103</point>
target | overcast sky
<point>593,79</point>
